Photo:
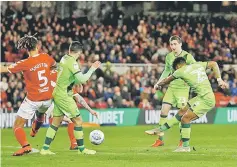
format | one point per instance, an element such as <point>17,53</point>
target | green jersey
<point>68,67</point>
<point>195,76</point>
<point>170,57</point>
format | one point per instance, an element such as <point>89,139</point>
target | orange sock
<point>70,130</point>
<point>50,121</point>
<point>21,136</point>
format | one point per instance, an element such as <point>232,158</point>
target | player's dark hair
<point>27,42</point>
<point>177,61</point>
<point>175,37</point>
<point>75,46</point>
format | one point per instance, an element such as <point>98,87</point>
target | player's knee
<point>19,123</point>
<point>56,123</point>
<point>15,126</point>
<point>182,111</point>
<point>78,123</point>
<point>165,110</point>
<point>185,119</point>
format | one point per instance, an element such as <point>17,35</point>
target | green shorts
<point>202,104</point>
<point>65,106</point>
<point>176,97</point>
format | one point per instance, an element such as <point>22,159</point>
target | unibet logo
<point>202,120</point>
<point>232,115</point>
<point>108,117</point>
<point>152,116</point>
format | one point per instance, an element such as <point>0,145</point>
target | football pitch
<point>216,146</point>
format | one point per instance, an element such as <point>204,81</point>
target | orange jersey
<point>36,72</point>
<point>53,77</point>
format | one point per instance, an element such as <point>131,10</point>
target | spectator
<point>234,90</point>
<point>137,40</point>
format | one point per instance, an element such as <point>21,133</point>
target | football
<point>96,137</point>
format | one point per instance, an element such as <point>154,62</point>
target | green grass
<point>216,146</point>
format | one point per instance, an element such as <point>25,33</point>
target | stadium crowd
<point>138,39</point>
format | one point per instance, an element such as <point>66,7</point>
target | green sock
<point>78,132</point>
<point>163,120</point>
<point>50,134</point>
<point>186,131</point>
<point>176,119</point>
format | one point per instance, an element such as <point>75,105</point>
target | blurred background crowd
<point>140,38</point>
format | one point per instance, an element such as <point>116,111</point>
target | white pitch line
<point>167,153</point>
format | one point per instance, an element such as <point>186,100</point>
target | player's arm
<point>54,66</point>
<point>82,78</point>
<point>166,81</point>
<point>166,71</point>
<point>52,62</point>
<point>190,59</point>
<point>164,74</point>
<point>177,74</point>
<point>82,101</point>
<point>215,68</point>
<point>14,68</point>
<point>4,69</point>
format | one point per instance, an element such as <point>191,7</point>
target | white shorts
<point>28,108</point>
<point>49,112</point>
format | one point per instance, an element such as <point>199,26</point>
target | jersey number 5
<point>42,77</point>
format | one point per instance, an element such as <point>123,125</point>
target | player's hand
<point>96,64</point>
<point>157,87</point>
<point>93,112</point>
<point>223,84</point>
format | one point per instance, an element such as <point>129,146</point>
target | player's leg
<point>50,135</point>
<point>78,132</point>
<point>186,131</point>
<point>163,118</point>
<point>70,130</point>
<point>173,121</point>
<point>37,123</point>
<point>74,115</point>
<point>168,100</point>
<point>181,98</point>
<point>40,115</point>
<point>198,106</point>
<point>186,124</point>
<point>52,130</point>
<point>25,112</point>
<point>21,136</point>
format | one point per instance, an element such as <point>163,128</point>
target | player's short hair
<point>177,61</point>
<point>175,37</point>
<point>27,42</point>
<point>75,46</point>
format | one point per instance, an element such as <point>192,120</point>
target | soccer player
<point>78,99</point>
<point>177,93</point>
<point>195,76</point>
<point>69,74</point>
<point>36,71</point>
